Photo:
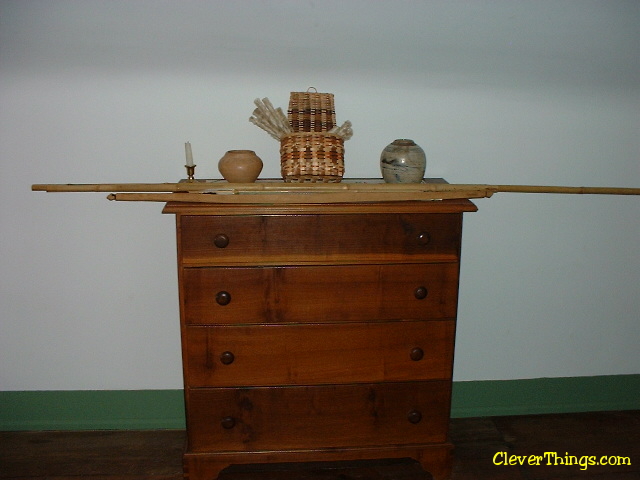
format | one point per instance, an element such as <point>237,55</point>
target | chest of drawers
<point>318,332</point>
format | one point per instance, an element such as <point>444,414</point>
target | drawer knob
<point>420,293</point>
<point>221,240</point>
<point>423,238</point>
<point>416,354</point>
<point>414,416</point>
<point>223,298</point>
<point>227,357</point>
<point>228,423</point>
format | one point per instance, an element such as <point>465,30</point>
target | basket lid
<point>311,111</point>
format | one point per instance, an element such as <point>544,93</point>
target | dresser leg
<point>438,461</point>
<point>197,467</point>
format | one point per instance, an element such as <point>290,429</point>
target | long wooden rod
<point>564,190</point>
<point>296,197</point>
<point>122,187</point>
<point>237,188</point>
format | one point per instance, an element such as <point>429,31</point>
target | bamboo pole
<point>564,190</point>
<point>120,187</point>
<point>297,197</point>
<point>241,188</point>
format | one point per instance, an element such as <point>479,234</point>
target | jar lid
<point>403,142</point>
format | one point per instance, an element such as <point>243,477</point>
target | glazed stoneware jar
<point>402,161</point>
<point>240,166</point>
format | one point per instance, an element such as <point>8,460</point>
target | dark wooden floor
<point>156,455</point>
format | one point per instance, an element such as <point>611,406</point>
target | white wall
<point>522,92</point>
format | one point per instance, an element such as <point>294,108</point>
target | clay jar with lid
<point>240,166</point>
<point>402,161</point>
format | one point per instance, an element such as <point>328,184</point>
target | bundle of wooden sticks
<point>272,120</point>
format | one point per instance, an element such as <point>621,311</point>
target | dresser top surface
<point>297,206</point>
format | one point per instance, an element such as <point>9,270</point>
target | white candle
<point>187,150</point>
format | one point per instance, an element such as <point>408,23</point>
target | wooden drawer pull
<point>421,293</point>
<point>221,240</point>
<point>228,423</point>
<point>416,354</point>
<point>223,298</point>
<point>414,416</point>
<point>227,358</point>
<point>423,238</point>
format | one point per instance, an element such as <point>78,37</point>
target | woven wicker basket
<point>312,157</point>
<point>311,111</point>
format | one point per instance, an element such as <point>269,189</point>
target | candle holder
<point>191,169</point>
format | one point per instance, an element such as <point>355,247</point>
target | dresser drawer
<point>310,417</point>
<point>320,293</point>
<point>318,353</point>
<point>294,239</point>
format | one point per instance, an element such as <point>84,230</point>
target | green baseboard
<point>545,395</point>
<point>164,409</point>
<point>92,410</point>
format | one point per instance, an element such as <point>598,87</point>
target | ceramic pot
<point>240,166</point>
<point>402,161</point>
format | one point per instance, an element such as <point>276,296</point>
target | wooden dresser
<point>318,332</point>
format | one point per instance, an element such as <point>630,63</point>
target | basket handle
<point>315,90</point>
